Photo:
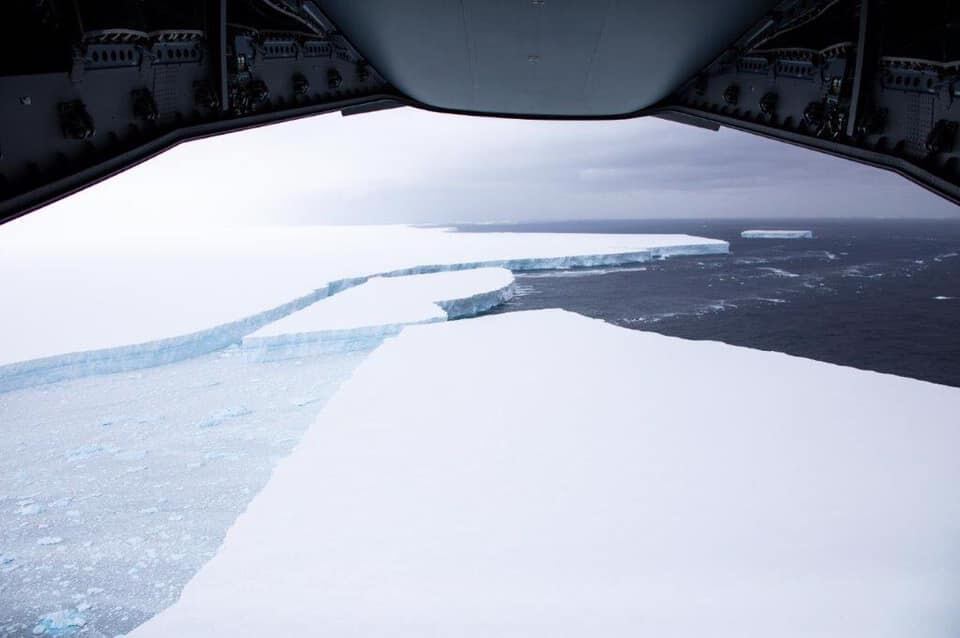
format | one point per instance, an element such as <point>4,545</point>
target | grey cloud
<point>409,166</point>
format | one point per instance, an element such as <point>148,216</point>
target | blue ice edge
<point>302,344</point>
<point>73,365</point>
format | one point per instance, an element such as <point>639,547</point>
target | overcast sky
<point>409,166</point>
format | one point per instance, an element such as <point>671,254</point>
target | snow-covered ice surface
<point>362,316</point>
<point>115,489</point>
<point>91,305</point>
<point>777,234</point>
<point>544,474</point>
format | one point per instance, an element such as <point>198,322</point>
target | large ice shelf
<point>361,317</point>
<point>80,306</point>
<point>544,474</point>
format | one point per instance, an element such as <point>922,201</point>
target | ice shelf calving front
<point>361,317</point>
<point>545,474</point>
<point>238,281</point>
<point>777,234</point>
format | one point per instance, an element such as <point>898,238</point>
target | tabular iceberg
<point>777,234</point>
<point>457,497</point>
<point>229,287</point>
<point>361,317</point>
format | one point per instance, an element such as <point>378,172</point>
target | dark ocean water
<point>878,295</point>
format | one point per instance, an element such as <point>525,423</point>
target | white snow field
<point>108,303</point>
<point>361,317</point>
<point>545,474</point>
<point>777,234</point>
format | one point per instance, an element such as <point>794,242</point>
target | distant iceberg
<point>777,234</point>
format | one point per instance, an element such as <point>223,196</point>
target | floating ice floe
<point>777,234</point>
<point>29,509</point>
<point>778,272</point>
<point>65,622</point>
<point>222,415</point>
<point>49,540</point>
<point>610,497</point>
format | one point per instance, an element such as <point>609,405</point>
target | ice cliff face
<point>144,355</point>
<point>479,303</point>
<point>71,365</point>
<point>361,317</point>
